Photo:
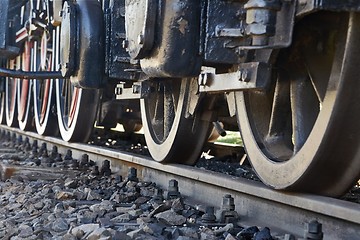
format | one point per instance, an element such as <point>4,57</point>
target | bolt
<point>8,137</point>
<point>54,152</point>
<point>27,146</point>
<point>140,39</point>
<point>208,216</point>
<point>289,236</point>
<point>118,90</point>
<point>35,144</point>
<point>173,189</point>
<point>84,161</point>
<point>240,52</point>
<point>105,168</point>
<point>245,76</point>
<point>95,171</point>
<point>19,142</point>
<point>125,43</point>
<point>118,178</point>
<point>34,148</point>
<point>136,88</point>
<point>68,155</point>
<point>58,158</point>
<point>43,150</point>
<point>203,78</point>
<point>132,175</point>
<point>173,185</point>
<point>313,230</point>
<point>74,164</point>
<point>228,213</point>
<point>228,203</point>
<point>13,138</point>
<point>158,195</point>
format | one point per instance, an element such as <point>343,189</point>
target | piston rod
<point>29,74</point>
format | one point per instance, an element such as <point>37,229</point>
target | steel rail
<point>256,204</point>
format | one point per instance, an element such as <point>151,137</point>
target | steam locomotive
<point>285,72</point>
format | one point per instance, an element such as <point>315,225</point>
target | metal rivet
<point>245,76</point>
<point>313,230</point>
<point>125,43</point>
<point>132,175</point>
<point>209,216</point>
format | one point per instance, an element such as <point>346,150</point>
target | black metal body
<point>169,47</point>
<point>133,40</point>
<point>169,38</point>
<point>117,60</point>
<point>8,12</point>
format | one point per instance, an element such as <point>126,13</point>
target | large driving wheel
<point>76,111</point>
<point>170,136</point>
<point>10,95</point>
<point>303,133</point>
<point>76,107</point>
<point>2,98</point>
<point>2,107</point>
<point>44,94</point>
<point>25,114</point>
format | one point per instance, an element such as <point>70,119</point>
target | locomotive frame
<point>284,70</point>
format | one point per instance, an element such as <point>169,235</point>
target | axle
<point>29,74</point>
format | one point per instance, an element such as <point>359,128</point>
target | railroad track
<point>255,203</point>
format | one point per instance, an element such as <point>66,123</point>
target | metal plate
<point>140,19</point>
<point>68,39</point>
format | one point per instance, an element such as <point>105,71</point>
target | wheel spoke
<point>44,60</point>
<point>280,107</point>
<point>169,110</point>
<point>318,67</point>
<point>25,85</point>
<point>10,92</point>
<point>158,118</point>
<point>304,109</point>
<point>278,138</point>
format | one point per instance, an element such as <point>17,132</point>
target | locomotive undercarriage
<point>278,67</point>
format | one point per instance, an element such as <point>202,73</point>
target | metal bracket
<point>138,90</point>
<point>250,76</point>
<point>233,27</point>
<point>283,28</point>
<point>307,6</point>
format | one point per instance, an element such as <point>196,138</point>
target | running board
<point>4,72</point>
